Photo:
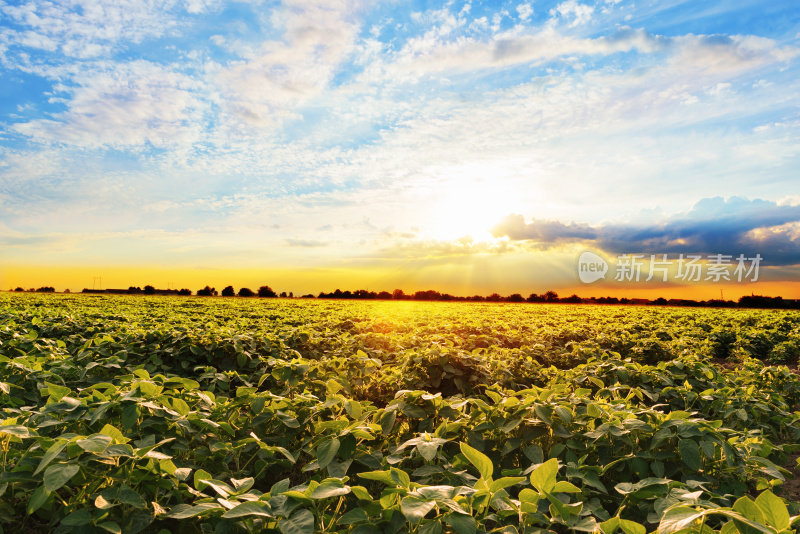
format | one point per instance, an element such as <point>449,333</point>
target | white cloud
<point>123,105</point>
<point>571,10</point>
<point>286,73</point>
<point>524,11</point>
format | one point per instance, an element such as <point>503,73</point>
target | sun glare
<point>468,210</point>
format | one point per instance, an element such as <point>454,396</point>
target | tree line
<point>265,291</point>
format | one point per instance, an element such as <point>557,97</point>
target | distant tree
<point>149,290</point>
<point>516,297</point>
<point>184,292</point>
<point>660,301</point>
<point>291,294</point>
<point>551,296</point>
<point>31,289</point>
<point>399,294</point>
<point>134,289</point>
<point>246,292</point>
<point>228,291</point>
<point>383,295</point>
<point>533,297</point>
<point>207,292</point>
<point>572,299</point>
<point>266,291</point>
<point>494,297</point>
<point>46,289</point>
<point>307,296</point>
<point>67,291</point>
<point>283,294</point>
<point>19,289</point>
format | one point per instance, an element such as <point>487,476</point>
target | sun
<point>468,210</point>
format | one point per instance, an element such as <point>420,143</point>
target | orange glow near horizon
<point>462,281</point>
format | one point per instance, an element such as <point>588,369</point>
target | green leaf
<point>479,460</point>
<point>300,522</point>
<point>562,486</point>
<point>690,454</point>
<point>38,498</point>
<point>17,430</point>
<point>53,451</point>
<point>631,527</point>
<point>78,518</point>
<point>199,476</point>
<point>505,482</point>
<point>774,509</point>
<point>326,452</point>
<point>678,518</point>
<point>57,475</point>
<point>249,508</point>
<point>543,477</point>
<point>330,487</point>
<point>415,508</point>
<point>462,524</point>
<point>97,443</point>
<point>430,527</point>
<point>111,526</point>
<point>356,515</point>
<point>185,511</point>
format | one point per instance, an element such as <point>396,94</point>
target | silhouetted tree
<point>67,291</point>
<point>206,292</point>
<point>134,289</point>
<point>383,295</point>
<point>398,294</point>
<point>660,301</point>
<point>283,294</point>
<point>572,299</point>
<point>19,289</point>
<point>307,296</point>
<point>246,292</point>
<point>228,291</point>
<point>266,291</point>
<point>185,292</point>
<point>46,289</point>
<point>150,290</point>
<point>516,297</point>
<point>291,294</point>
<point>551,296</point>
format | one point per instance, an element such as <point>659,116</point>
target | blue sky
<point>355,135</point>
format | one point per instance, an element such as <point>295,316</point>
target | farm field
<point>189,414</point>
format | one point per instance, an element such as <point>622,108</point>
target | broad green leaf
<point>774,509</point>
<point>562,486</point>
<point>245,509</point>
<point>479,460</point>
<point>17,431</point>
<point>77,518</point>
<point>38,498</point>
<point>57,475</point>
<point>111,526</point>
<point>415,508</point>
<point>505,482</point>
<point>678,518</point>
<point>199,476</point>
<point>300,522</point>
<point>185,511</point>
<point>462,524</point>
<point>330,487</point>
<point>543,477</point>
<point>356,515</point>
<point>690,454</point>
<point>326,452</point>
<point>53,451</point>
<point>96,443</point>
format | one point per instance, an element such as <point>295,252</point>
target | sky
<point>469,147</point>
